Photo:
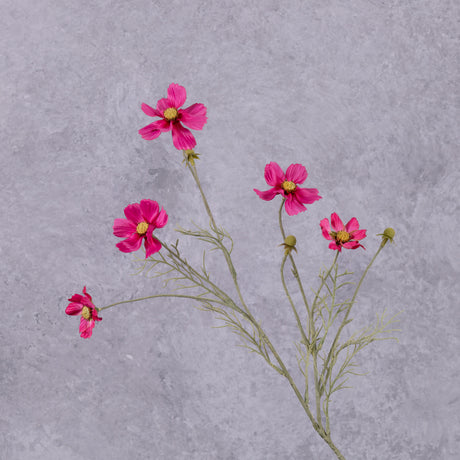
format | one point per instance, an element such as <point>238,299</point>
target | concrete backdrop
<point>363,93</point>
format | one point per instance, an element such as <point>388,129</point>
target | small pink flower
<point>286,185</point>
<point>141,220</point>
<point>346,236</point>
<point>83,305</point>
<point>172,118</point>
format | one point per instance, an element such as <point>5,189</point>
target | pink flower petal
<point>152,245</point>
<point>164,104</point>
<point>86,328</point>
<point>182,138</point>
<point>161,219</point>
<point>153,130</point>
<point>77,298</point>
<point>333,245</point>
<point>176,95</point>
<point>293,206</point>
<point>133,213</point>
<point>352,245</point>
<point>296,173</point>
<point>267,195</point>
<point>123,228</point>
<point>274,175</point>
<point>194,117</point>
<point>149,210</point>
<point>336,223</point>
<point>74,308</point>
<point>325,228</point>
<point>358,234</point>
<point>307,195</point>
<point>352,225</point>
<point>131,244</point>
<point>150,111</point>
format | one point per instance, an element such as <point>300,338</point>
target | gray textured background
<point>363,93</point>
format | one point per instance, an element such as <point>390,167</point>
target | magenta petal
<point>176,95</point>
<point>161,219</point>
<point>333,245</point>
<point>268,195</point>
<point>133,213</point>
<point>150,111</point>
<point>149,210</point>
<point>307,195</point>
<point>152,245</point>
<point>131,244</point>
<point>86,328</point>
<point>74,309</point>
<point>194,117</point>
<point>353,245</point>
<point>164,104</point>
<point>273,174</point>
<point>153,130</point>
<point>296,173</point>
<point>336,223</point>
<point>182,138</point>
<point>325,228</point>
<point>293,206</point>
<point>358,234</point>
<point>352,225</point>
<point>123,228</point>
<point>77,298</point>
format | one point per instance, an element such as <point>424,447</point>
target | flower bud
<point>190,156</point>
<point>387,235</point>
<point>289,244</point>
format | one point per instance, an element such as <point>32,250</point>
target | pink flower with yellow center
<point>172,118</point>
<point>83,305</point>
<point>287,186</point>
<point>141,220</point>
<point>346,236</point>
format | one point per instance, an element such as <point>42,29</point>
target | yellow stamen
<point>170,114</point>
<point>86,313</point>
<point>142,228</point>
<point>342,237</point>
<point>288,186</point>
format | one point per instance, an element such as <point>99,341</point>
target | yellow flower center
<point>342,237</point>
<point>142,228</point>
<point>170,114</point>
<point>86,313</point>
<point>288,186</point>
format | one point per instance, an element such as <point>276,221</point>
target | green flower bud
<point>289,244</point>
<point>387,235</point>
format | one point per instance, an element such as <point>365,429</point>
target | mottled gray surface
<point>363,93</point>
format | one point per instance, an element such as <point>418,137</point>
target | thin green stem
<point>326,368</point>
<point>200,299</point>
<point>191,166</point>
<point>295,271</point>
<point>299,323</point>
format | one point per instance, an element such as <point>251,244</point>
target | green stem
<point>299,324</point>
<point>343,324</point>
<point>295,271</point>
<point>191,166</point>
<point>200,299</point>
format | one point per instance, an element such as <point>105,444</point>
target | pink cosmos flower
<point>346,236</point>
<point>286,185</point>
<point>172,118</point>
<point>141,220</point>
<point>83,305</point>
